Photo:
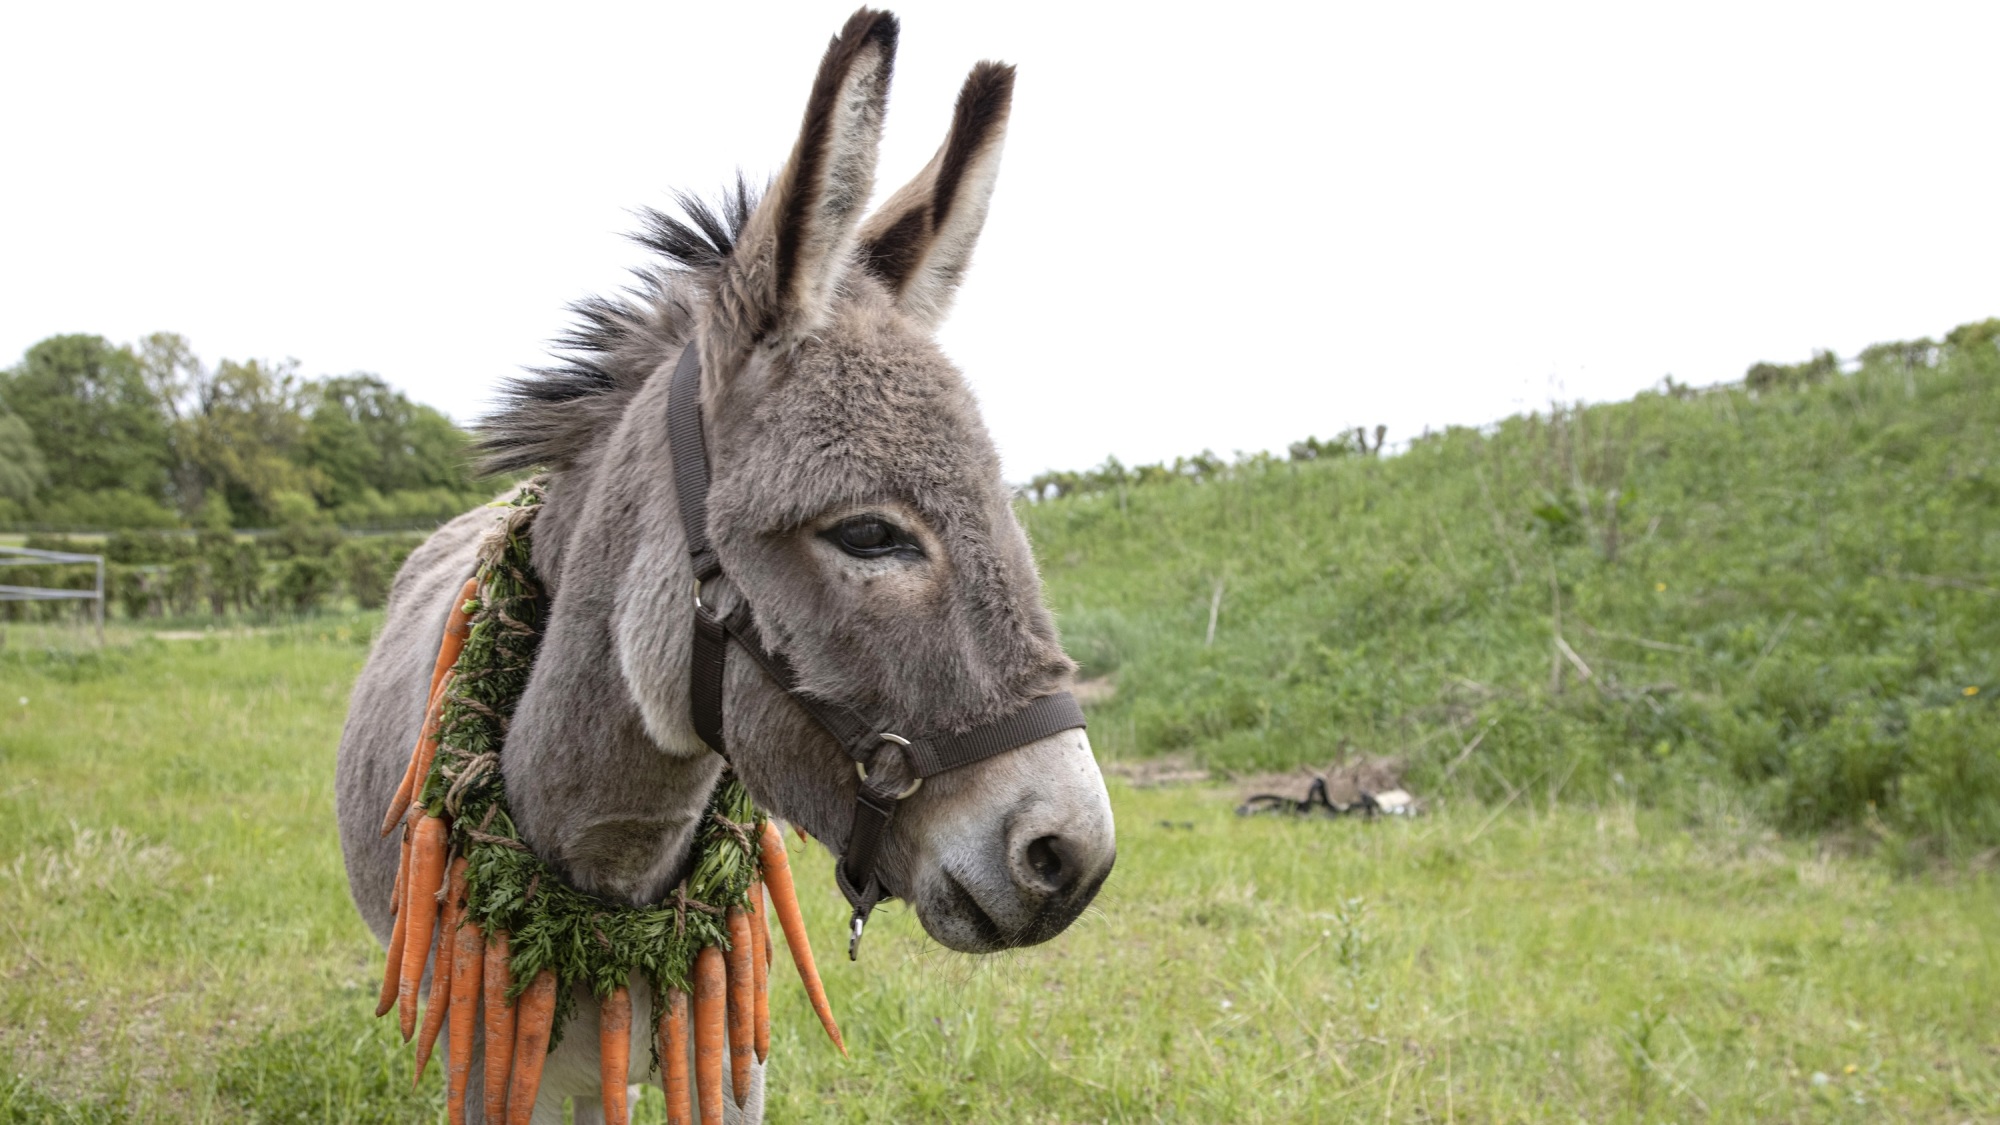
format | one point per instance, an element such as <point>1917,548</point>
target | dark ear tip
<point>872,25</point>
<point>991,72</point>
<point>990,86</point>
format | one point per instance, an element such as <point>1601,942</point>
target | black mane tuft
<point>705,234</point>
<point>549,416</point>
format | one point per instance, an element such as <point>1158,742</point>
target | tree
<point>179,384</point>
<point>147,436</point>
<point>97,424</point>
<point>363,434</point>
<point>247,434</point>
<point>23,471</point>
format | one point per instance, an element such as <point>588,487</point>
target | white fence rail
<point>24,556</point>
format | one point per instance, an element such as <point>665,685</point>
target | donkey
<point>858,506</point>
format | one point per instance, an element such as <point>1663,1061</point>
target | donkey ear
<point>921,240</point>
<point>794,248</point>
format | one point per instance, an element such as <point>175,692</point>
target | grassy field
<point>176,944</point>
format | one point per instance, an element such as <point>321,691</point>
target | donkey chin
<point>1010,853</point>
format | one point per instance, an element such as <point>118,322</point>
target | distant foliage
<point>161,575</point>
<point>95,435</point>
<point>1352,443</point>
<point>1787,376</point>
<point>1112,476</point>
<point>1791,592</point>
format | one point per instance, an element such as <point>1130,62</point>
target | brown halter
<point>924,756</point>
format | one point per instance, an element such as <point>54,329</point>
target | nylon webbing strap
<point>855,873</point>
<point>690,453</point>
<point>1051,714</point>
<point>927,756</point>
<point>711,663</point>
<point>848,728</point>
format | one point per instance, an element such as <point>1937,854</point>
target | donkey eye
<point>868,537</point>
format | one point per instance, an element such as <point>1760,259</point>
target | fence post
<point>100,601</point>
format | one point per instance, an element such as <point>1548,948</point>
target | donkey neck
<point>593,789</point>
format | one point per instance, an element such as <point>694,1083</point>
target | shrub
<point>303,584</point>
<point>1841,769</point>
<point>367,565</point>
<point>1951,791</point>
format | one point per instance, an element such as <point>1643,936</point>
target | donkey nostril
<point>1046,858</point>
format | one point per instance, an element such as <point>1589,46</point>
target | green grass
<point>1794,593</point>
<point>176,944</point>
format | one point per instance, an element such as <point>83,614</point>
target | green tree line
<point>97,435</point>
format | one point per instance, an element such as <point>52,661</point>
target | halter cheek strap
<point>924,756</point>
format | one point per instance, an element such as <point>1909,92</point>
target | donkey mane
<point>552,415</point>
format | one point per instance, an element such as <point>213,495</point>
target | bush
<point>145,548</point>
<point>1783,376</point>
<point>1951,790</point>
<point>303,584</point>
<point>367,565</point>
<point>1843,768</point>
<point>84,511</point>
<point>134,590</point>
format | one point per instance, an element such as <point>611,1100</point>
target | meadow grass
<point>177,944</point>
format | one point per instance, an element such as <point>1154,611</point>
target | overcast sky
<point>1221,226</point>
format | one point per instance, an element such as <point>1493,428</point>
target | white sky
<point>1219,226</point>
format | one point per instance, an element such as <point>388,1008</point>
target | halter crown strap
<point>690,453</point>
<point>924,756</point>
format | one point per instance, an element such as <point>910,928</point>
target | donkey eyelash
<point>871,537</point>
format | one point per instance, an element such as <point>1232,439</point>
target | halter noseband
<point>924,757</point>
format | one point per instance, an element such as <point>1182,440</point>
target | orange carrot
<point>457,626</point>
<point>402,869</point>
<point>400,803</point>
<point>499,1027</point>
<point>785,904</point>
<point>420,764</point>
<point>427,748</point>
<point>533,1023</point>
<point>392,974</point>
<point>673,1046</point>
<point>742,1002</point>
<point>760,968</point>
<point>468,964</point>
<point>710,986</point>
<point>426,872</point>
<point>614,1055</point>
<point>441,990</point>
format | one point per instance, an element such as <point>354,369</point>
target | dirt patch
<point>1091,693</point>
<point>1151,773</point>
<point>206,634</point>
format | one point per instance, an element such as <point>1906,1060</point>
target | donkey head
<point>857,505</point>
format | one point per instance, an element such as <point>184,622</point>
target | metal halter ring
<point>697,595</point>
<point>862,770</point>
